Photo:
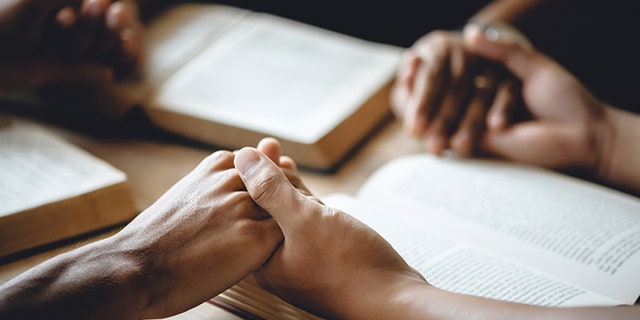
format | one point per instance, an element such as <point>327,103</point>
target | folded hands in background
<point>489,90</point>
<point>76,41</point>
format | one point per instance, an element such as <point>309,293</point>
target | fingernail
<point>246,159</point>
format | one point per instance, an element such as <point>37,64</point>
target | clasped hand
<point>442,92</point>
<point>77,41</point>
<point>532,110</point>
<point>248,211</point>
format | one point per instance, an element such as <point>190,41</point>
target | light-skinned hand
<point>329,262</point>
<point>199,238</point>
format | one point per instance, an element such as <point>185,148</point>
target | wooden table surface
<point>153,165</point>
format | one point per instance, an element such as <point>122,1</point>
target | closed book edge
<point>66,218</point>
<point>53,190</point>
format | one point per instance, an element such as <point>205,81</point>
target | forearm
<point>421,301</point>
<point>97,281</point>
<point>621,150</point>
<point>448,305</point>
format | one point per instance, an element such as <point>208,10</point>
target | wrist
<point>143,272</point>
<point>618,150</point>
<point>387,296</point>
<point>114,277</point>
<point>602,133</point>
<point>97,281</point>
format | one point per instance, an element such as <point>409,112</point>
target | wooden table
<point>154,165</point>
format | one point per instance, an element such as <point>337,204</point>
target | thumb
<point>271,190</point>
<point>505,45</point>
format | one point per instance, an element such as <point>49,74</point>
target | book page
<point>280,77</point>
<point>182,32</point>
<point>572,229</point>
<point>454,265</point>
<point>172,39</point>
<point>38,167</point>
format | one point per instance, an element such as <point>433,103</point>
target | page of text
<point>574,230</point>
<point>172,39</point>
<point>179,34</point>
<point>38,167</point>
<point>454,265</point>
<point>280,77</point>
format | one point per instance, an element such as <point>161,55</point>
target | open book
<point>229,76</point>
<point>51,190</point>
<point>493,229</point>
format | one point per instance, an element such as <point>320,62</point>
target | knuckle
<point>218,159</point>
<point>260,233</point>
<point>265,190</point>
<point>241,201</point>
<point>247,228</point>
<point>267,231</point>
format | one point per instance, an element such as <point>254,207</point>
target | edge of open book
<point>323,155</point>
<point>66,218</point>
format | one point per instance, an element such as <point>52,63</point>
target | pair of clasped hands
<point>68,41</point>
<point>487,90</point>
<point>507,100</point>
